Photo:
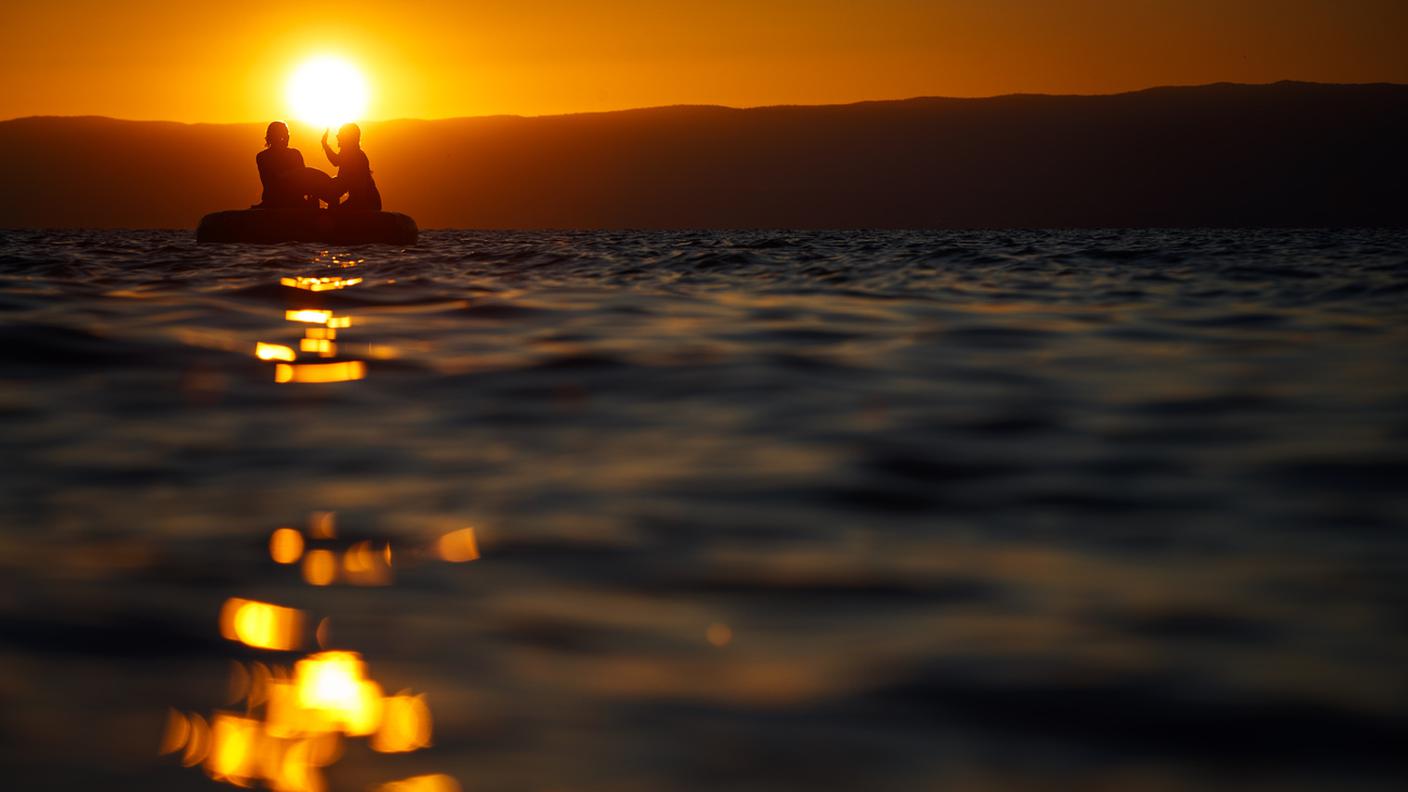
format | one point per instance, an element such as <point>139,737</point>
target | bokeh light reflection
<point>317,284</point>
<point>344,371</point>
<point>405,725</point>
<point>459,546</point>
<point>235,743</point>
<point>309,315</point>
<point>334,686</point>
<point>321,346</point>
<point>197,741</point>
<point>319,567</point>
<point>322,525</point>
<point>176,734</point>
<point>425,783</point>
<point>363,566</point>
<point>280,727</point>
<point>265,351</point>
<point>261,625</point>
<point>286,546</point>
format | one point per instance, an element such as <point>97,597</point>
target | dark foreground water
<point>756,511</point>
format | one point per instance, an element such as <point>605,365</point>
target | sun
<point>327,92</point>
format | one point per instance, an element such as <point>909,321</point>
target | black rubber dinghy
<point>334,226</point>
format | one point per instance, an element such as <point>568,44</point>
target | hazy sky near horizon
<point>197,62</point>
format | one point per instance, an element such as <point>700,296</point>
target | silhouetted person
<point>354,173</point>
<point>279,171</point>
<point>288,183</point>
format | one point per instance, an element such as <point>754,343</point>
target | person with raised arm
<point>354,172</point>
<point>290,210</point>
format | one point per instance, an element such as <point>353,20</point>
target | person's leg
<point>366,198</point>
<point>320,186</point>
<point>288,190</point>
<point>334,190</point>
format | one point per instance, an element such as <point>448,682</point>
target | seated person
<point>278,168</point>
<point>354,172</point>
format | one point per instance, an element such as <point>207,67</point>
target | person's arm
<point>332,155</point>
<point>264,182</point>
<point>259,164</point>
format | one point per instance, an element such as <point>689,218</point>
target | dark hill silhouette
<point>1288,154</point>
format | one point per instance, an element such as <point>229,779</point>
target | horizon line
<point>1015,94</point>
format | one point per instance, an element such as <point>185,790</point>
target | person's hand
<point>325,136</point>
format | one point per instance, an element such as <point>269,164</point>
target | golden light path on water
<point>320,333</point>
<point>294,720</point>
<point>290,723</point>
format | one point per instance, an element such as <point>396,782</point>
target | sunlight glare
<point>327,92</point>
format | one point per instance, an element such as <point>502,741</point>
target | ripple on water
<point>1080,508</point>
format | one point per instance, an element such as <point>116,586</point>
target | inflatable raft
<point>334,226</point>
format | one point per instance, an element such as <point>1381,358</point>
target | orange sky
<point>198,61</point>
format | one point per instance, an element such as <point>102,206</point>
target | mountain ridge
<point>1222,154</point>
<point>859,102</point>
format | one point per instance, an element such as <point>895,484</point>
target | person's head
<point>276,136</point>
<point>349,136</point>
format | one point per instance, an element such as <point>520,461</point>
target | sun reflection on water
<point>345,371</point>
<point>319,567</point>
<point>286,546</point>
<point>320,326</point>
<point>308,315</point>
<point>425,783</point>
<point>288,724</point>
<point>459,546</point>
<point>317,284</point>
<point>322,346</point>
<point>261,625</point>
<point>285,724</point>
<point>265,351</point>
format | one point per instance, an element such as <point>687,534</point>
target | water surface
<point>757,510</point>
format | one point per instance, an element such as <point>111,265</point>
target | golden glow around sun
<point>327,92</point>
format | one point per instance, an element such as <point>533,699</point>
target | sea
<point>715,510</point>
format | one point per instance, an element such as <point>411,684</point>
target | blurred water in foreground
<point>751,511</point>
